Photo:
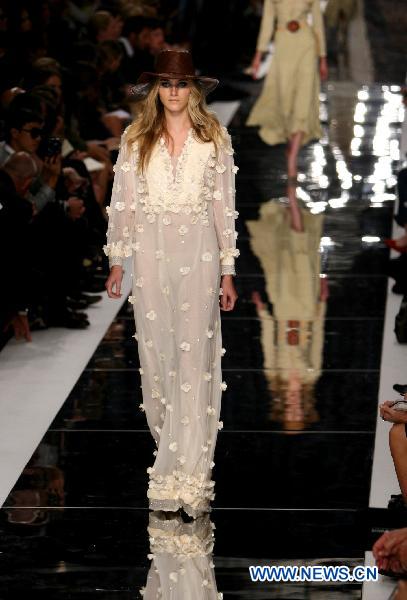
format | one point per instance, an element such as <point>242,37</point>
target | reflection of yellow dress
<point>289,101</point>
<point>290,260</point>
<point>291,264</point>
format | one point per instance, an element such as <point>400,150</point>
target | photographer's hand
<point>75,208</point>
<point>51,170</point>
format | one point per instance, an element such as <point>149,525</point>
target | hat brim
<point>145,80</point>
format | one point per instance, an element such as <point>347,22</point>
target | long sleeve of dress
<point>266,26</point>
<point>318,25</point>
<point>224,208</point>
<point>121,211</point>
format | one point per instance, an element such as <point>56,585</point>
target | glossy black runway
<point>284,493</point>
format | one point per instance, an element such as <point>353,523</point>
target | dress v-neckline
<point>179,158</point>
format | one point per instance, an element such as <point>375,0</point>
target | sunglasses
<point>35,132</point>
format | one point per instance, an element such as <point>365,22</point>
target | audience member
<point>16,213</point>
<point>139,35</point>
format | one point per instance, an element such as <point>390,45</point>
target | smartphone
<point>53,146</point>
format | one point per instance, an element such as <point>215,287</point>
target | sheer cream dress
<point>178,223</point>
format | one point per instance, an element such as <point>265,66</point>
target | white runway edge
<point>36,378</point>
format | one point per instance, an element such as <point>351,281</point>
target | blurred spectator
<point>398,443</point>
<point>157,38</point>
<point>112,82</point>
<point>80,11</point>
<point>141,39</point>
<point>16,213</point>
<point>135,39</point>
<point>45,71</point>
<point>104,26</point>
<point>135,8</point>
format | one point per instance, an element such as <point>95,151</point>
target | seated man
<point>23,134</point>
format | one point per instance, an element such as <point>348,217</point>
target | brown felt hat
<point>172,64</point>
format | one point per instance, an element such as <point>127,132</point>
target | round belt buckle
<point>293,26</point>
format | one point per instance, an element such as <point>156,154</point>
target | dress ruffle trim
<point>180,490</point>
<point>226,252</point>
<point>181,539</point>
<point>119,249</point>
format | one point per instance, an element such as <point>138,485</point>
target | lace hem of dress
<point>181,539</point>
<point>179,490</point>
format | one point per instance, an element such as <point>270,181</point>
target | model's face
<point>174,94</point>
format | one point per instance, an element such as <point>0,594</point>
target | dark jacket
<point>15,218</point>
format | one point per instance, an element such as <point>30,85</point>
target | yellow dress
<point>291,265</point>
<point>289,101</point>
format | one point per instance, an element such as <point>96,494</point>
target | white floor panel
<point>37,377</point>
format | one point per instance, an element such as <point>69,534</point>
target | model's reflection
<point>181,555</point>
<point>286,239</point>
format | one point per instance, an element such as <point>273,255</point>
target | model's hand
<point>256,64</point>
<point>323,68</point>
<point>114,279</point>
<point>229,296</point>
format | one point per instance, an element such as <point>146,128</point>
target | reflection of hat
<point>172,64</point>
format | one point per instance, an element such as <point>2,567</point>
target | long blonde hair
<point>150,124</point>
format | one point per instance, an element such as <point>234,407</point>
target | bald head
<point>22,169</point>
<point>22,165</point>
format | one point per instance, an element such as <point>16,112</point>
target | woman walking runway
<point>173,210</point>
<point>287,110</point>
